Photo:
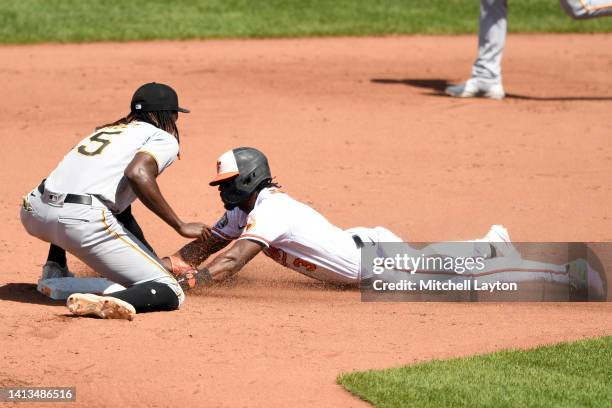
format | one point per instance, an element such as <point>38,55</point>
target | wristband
<point>192,279</point>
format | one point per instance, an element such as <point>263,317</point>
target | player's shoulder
<point>270,197</point>
<point>272,201</point>
<point>271,194</point>
<point>148,131</point>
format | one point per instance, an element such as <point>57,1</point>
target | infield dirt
<point>356,128</point>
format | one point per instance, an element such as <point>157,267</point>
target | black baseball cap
<point>153,97</point>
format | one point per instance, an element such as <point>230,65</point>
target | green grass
<point>32,21</point>
<point>563,375</point>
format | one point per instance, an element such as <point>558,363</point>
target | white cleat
<point>499,238</point>
<point>472,88</point>
<point>105,307</point>
<point>53,270</point>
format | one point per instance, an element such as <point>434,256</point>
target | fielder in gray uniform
<point>486,80</point>
<point>76,206</point>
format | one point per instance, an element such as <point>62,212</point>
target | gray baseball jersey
<point>96,165</point>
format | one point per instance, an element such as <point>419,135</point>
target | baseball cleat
<point>499,238</point>
<point>585,282</point>
<point>105,307</point>
<point>54,270</point>
<point>472,88</point>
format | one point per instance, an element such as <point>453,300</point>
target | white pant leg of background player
<point>491,41</point>
<point>93,235</point>
<point>585,9</point>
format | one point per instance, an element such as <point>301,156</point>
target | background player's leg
<point>491,42</point>
<point>486,77</point>
<point>585,9</point>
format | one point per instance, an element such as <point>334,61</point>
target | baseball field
<point>346,99</point>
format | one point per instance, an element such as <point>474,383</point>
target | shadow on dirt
<point>439,85</point>
<point>250,284</point>
<point>26,293</point>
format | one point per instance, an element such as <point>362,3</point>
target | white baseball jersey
<point>296,236</point>
<point>96,165</point>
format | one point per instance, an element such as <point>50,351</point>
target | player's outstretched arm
<point>193,254</point>
<point>223,266</point>
<point>141,174</point>
<point>232,260</point>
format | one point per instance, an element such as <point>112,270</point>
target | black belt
<point>358,241</point>
<point>70,198</point>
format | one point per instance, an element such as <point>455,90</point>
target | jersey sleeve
<point>231,224</point>
<point>265,225</point>
<point>163,147</point>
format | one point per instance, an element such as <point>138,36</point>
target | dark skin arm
<point>141,174</point>
<point>194,253</point>
<point>198,251</point>
<point>231,261</point>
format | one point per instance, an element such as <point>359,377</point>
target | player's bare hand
<point>194,230</point>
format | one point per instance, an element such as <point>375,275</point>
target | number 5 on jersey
<point>97,143</point>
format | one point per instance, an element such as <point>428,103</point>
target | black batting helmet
<point>241,171</point>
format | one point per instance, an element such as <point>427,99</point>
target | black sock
<point>57,254</point>
<point>149,297</point>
